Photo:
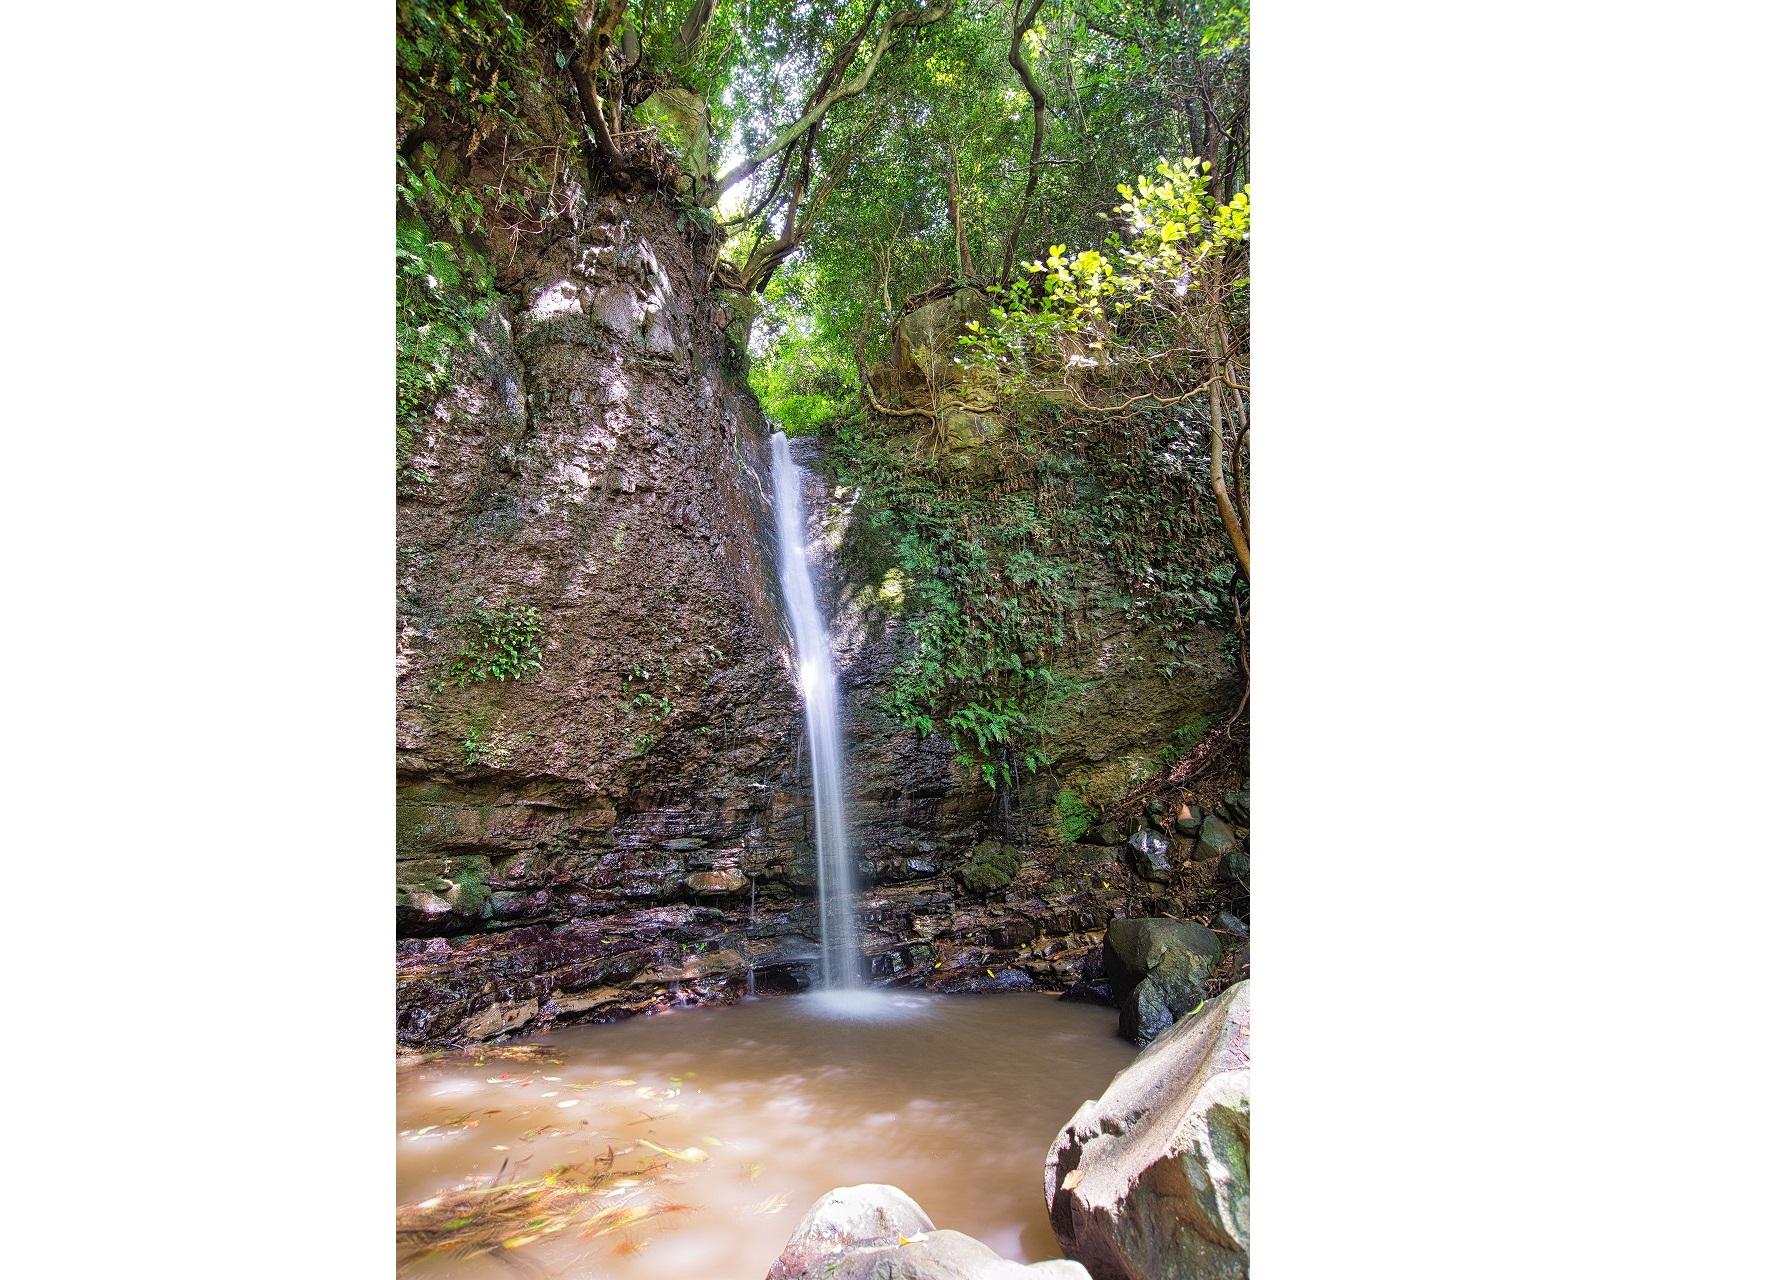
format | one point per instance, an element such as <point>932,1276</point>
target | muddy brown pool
<point>694,1140</point>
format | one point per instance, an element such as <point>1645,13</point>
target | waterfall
<point>821,713</point>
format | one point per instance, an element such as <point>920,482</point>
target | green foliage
<point>467,82</point>
<point>475,747</point>
<point>657,706</point>
<point>998,580</point>
<point>808,380</point>
<point>654,694</point>
<point>499,644</point>
<point>1123,307</point>
<point>1074,815</point>
<point>1184,739</point>
<point>439,301</point>
<point>992,865</point>
<point>1226,27</point>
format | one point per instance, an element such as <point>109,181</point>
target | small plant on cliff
<point>657,706</point>
<point>503,644</point>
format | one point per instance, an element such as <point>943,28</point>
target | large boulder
<point>1157,969</point>
<point>927,337</point>
<point>875,1232</point>
<point>1151,1182</point>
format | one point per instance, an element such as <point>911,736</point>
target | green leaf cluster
<point>498,644</point>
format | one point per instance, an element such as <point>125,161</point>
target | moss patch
<point>991,866</point>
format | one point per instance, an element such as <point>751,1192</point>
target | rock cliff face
<point>629,825</point>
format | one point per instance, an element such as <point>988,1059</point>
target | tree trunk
<point>1219,490</point>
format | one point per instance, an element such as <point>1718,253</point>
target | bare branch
<point>902,19</point>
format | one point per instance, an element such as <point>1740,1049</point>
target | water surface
<point>747,1113</point>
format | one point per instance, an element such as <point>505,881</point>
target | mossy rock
<point>683,120</point>
<point>459,883</point>
<point>992,865</point>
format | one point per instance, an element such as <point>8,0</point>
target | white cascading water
<point>821,713</point>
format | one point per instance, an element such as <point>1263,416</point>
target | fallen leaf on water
<point>621,1084</point>
<point>692,1155</point>
<point>752,1171</point>
<point>709,1141</point>
<point>774,1203</point>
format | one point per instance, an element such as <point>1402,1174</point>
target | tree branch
<point>813,116</point>
<point>1016,56</point>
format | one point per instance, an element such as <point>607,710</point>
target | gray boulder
<point>1156,964</point>
<point>1149,856</point>
<point>1237,803</point>
<point>1216,838</point>
<point>875,1232</point>
<point>1151,1181</point>
<point>1144,1014</point>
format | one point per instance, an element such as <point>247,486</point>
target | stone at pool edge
<point>1150,1181</point>
<point>854,1233</point>
<point>1144,1013</point>
<point>1156,965</point>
